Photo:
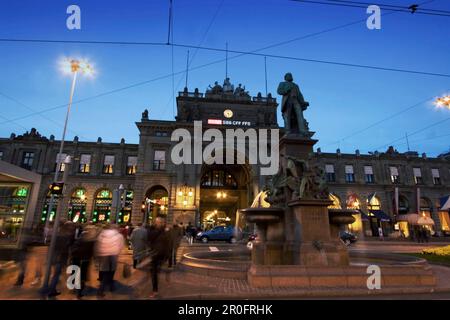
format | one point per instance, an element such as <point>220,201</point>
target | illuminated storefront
<point>102,206</point>
<point>46,208</point>
<point>77,206</point>
<point>336,202</point>
<point>354,203</point>
<point>425,211</point>
<point>13,203</point>
<point>157,199</point>
<point>125,213</point>
<point>443,206</point>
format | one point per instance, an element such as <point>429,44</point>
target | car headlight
<point>199,234</point>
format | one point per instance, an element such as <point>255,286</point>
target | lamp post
<point>120,202</point>
<point>69,66</point>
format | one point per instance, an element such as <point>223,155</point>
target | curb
<point>308,294</point>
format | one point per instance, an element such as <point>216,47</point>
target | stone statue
<point>306,180</point>
<point>292,106</point>
<point>240,91</point>
<point>217,89</point>
<point>227,86</point>
<point>145,115</point>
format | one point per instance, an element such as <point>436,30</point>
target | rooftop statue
<point>292,106</point>
<point>240,92</point>
<point>145,115</point>
<point>217,89</point>
<point>227,86</point>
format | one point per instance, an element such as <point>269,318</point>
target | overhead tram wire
<point>389,5</point>
<point>42,116</point>
<point>424,139</point>
<point>191,60</point>
<point>415,132</point>
<point>255,53</point>
<point>365,5</point>
<point>310,35</point>
<point>381,121</point>
<point>319,61</point>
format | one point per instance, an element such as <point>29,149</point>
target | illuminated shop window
<point>77,206</point>
<point>102,206</point>
<point>336,202</point>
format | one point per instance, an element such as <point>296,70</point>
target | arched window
<point>218,179</point>
<point>336,202</point>
<point>125,213</point>
<point>158,202</point>
<point>102,206</point>
<point>353,202</point>
<point>46,208</point>
<point>77,206</point>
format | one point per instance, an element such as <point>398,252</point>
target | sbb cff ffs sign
<point>229,122</point>
<point>56,188</point>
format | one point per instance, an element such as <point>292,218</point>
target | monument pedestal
<point>317,246</point>
<point>298,241</point>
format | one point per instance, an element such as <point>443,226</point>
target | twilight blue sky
<point>343,99</point>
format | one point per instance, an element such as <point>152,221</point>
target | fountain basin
<point>235,264</point>
<point>341,216</point>
<point>263,215</point>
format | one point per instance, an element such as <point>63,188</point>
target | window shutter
<point>394,171</point>
<point>329,168</point>
<point>60,157</point>
<point>368,170</point>
<point>349,169</point>
<point>435,173</point>
<point>417,172</point>
<point>132,161</point>
<point>85,159</point>
<point>109,160</point>
<point>160,155</point>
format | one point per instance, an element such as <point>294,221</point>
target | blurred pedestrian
<point>64,240</point>
<point>175,236</point>
<point>107,249</point>
<point>159,243</point>
<point>82,253</point>
<point>48,232</point>
<point>138,239</point>
<point>22,255</point>
<point>190,233</point>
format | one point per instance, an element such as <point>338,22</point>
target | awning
<point>415,219</point>
<point>364,216</point>
<point>380,215</point>
<point>445,203</point>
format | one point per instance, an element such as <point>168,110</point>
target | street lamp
<point>443,102</point>
<point>185,194</point>
<point>73,67</point>
<point>221,195</point>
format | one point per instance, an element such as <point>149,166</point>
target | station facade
<point>382,186</point>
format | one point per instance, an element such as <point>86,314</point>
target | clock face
<point>228,113</point>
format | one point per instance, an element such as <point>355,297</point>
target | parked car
<point>347,237</point>
<point>220,233</point>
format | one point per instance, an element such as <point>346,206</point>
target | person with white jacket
<point>107,249</point>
